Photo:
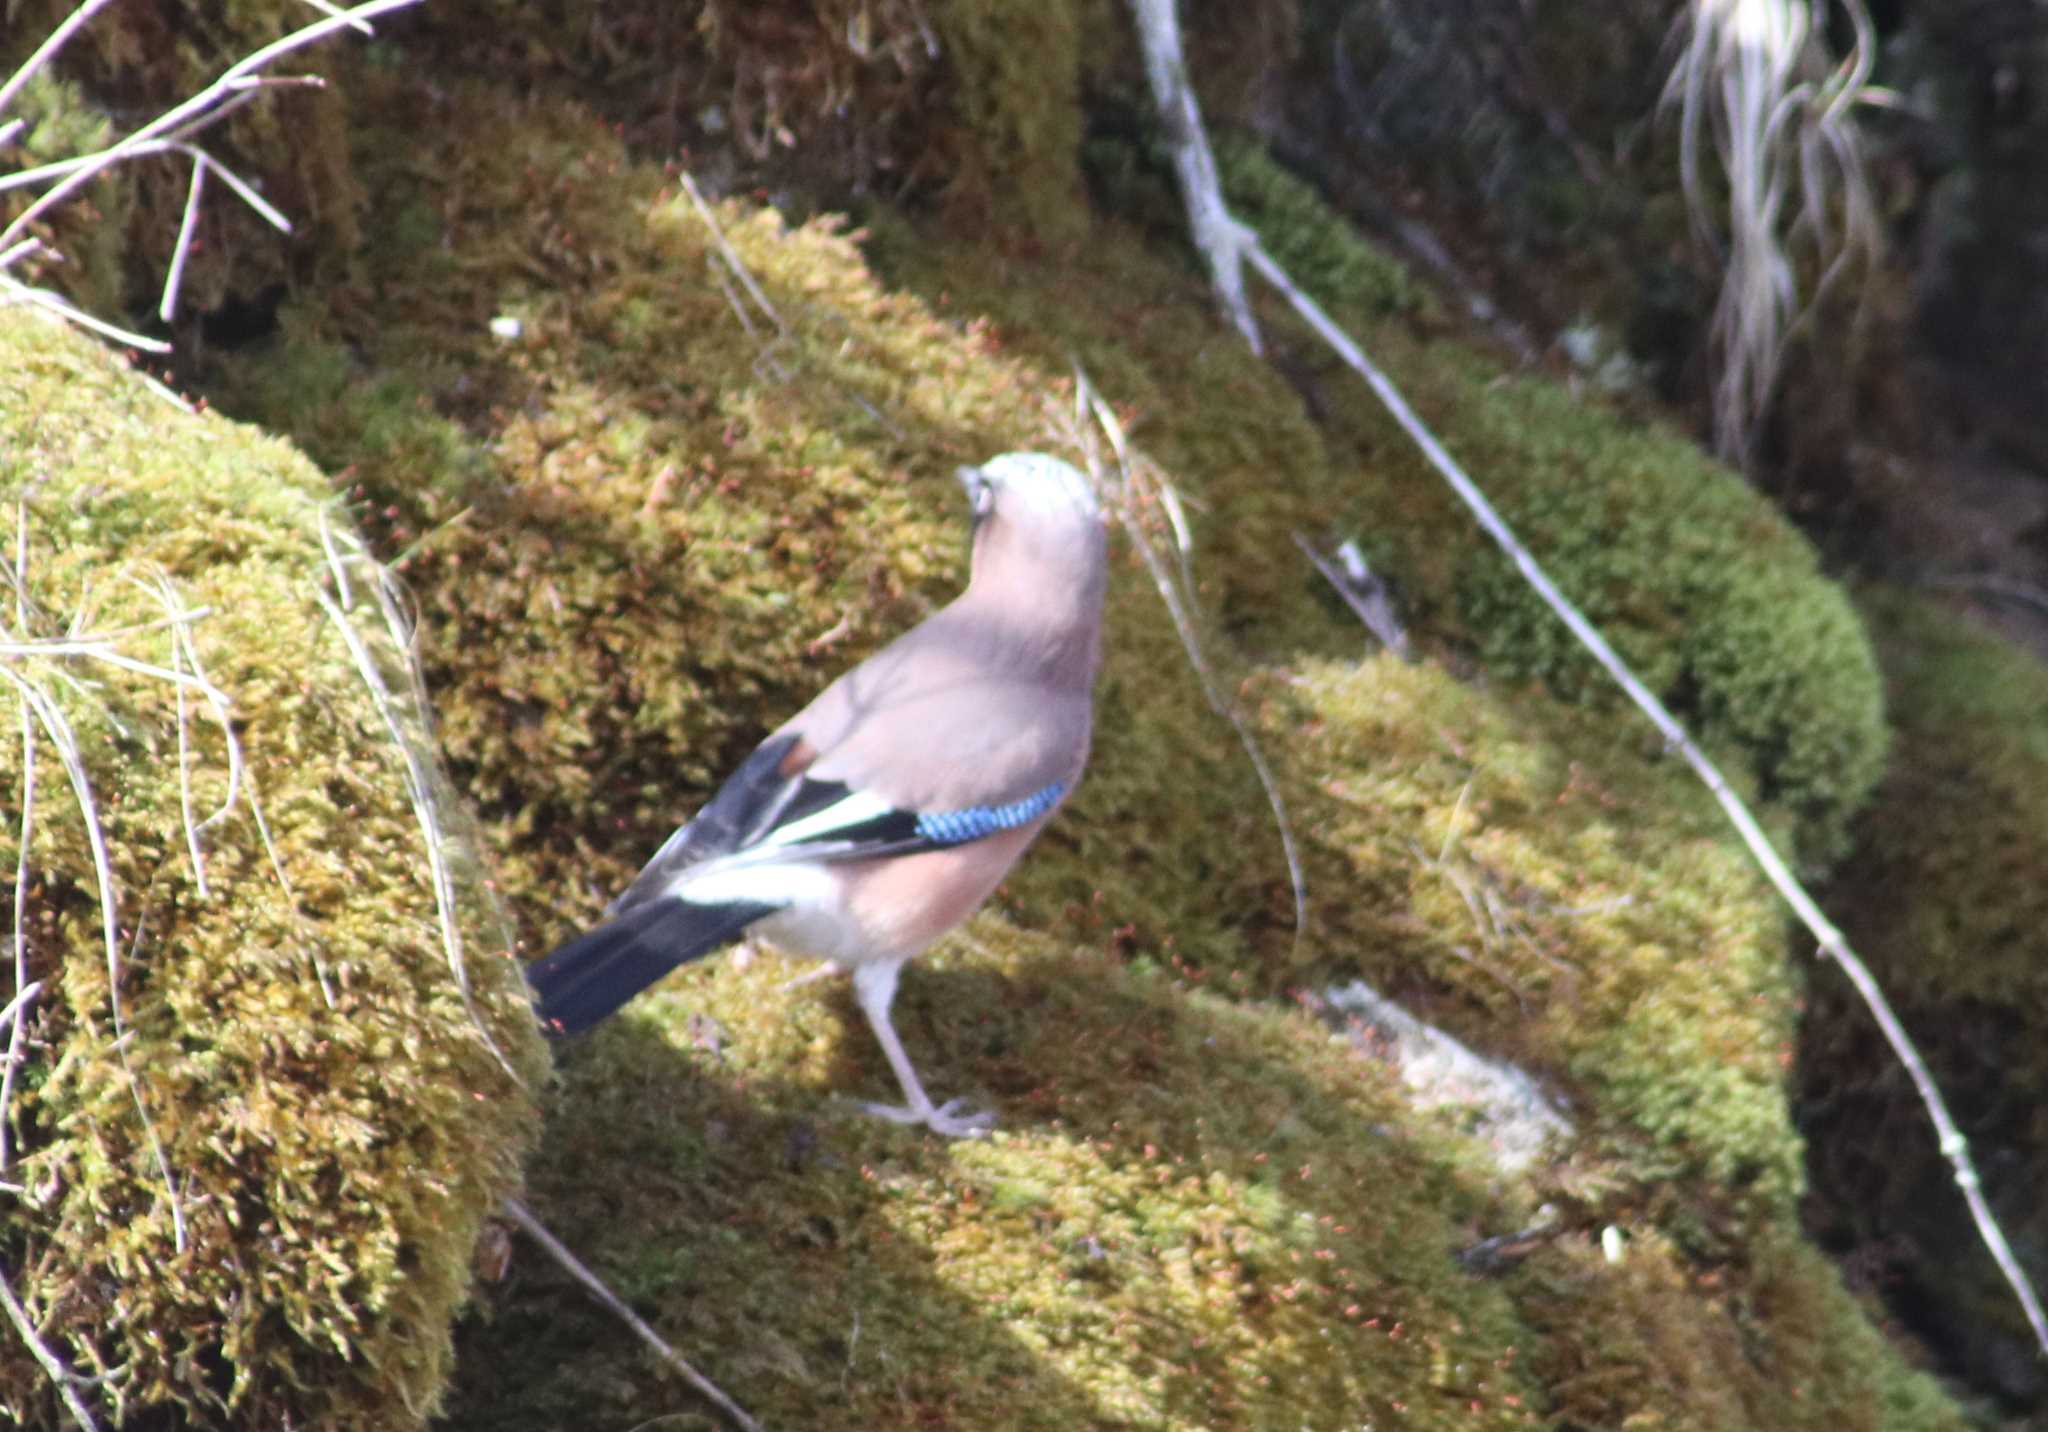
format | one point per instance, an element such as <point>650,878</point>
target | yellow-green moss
<point>1016,72</point>
<point>1657,1341</point>
<point>1581,904</point>
<point>1325,255</point>
<point>1117,1256</point>
<point>712,522</point>
<point>300,1082</point>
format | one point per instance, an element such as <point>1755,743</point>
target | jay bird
<point>882,814</point>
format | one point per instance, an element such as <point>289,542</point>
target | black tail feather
<point>595,973</point>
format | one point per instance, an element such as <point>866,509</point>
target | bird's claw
<point>950,1120</point>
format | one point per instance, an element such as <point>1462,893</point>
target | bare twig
<point>1219,237</point>
<point>13,291</point>
<point>58,1371</point>
<point>233,81</point>
<point>732,258</point>
<point>536,1230</point>
<point>58,38</point>
<point>1363,592</point>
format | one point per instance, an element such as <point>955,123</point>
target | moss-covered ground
<point>641,524</point>
<point>645,530</point>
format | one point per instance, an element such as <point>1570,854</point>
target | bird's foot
<point>950,1120</point>
<point>824,971</point>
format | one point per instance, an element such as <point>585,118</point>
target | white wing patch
<point>854,810</point>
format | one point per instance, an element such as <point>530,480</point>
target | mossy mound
<point>1198,1214</point>
<point>1117,1256</point>
<point>1948,904</point>
<point>642,535</point>
<point>250,1190</point>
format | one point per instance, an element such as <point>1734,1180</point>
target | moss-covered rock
<point>648,516</point>
<point>258,1120</point>
<point>1117,1256</point>
<point>1574,902</point>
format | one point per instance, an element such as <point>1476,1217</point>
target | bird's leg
<point>875,986</point>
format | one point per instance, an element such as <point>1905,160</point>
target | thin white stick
<point>537,1231</point>
<point>17,1009</point>
<point>326,9</point>
<point>23,997</point>
<point>72,23</point>
<point>13,291</point>
<point>1214,232</point>
<point>201,161</point>
<point>54,1367</point>
<point>218,92</point>
<point>732,256</point>
<point>1831,941</point>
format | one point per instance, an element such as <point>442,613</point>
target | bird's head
<point>1039,544</point>
<point>1036,514</point>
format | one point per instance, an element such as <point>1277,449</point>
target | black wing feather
<point>595,973</point>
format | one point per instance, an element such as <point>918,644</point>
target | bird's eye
<point>984,498</point>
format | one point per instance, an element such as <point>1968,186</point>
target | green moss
<point>1653,1341</point>
<point>1951,898</point>
<point>1116,1257</point>
<point>1715,599</point>
<point>1579,901</point>
<point>1016,69</point>
<point>1946,905</point>
<point>261,1209</point>
<point>646,530</point>
<point>1324,254</point>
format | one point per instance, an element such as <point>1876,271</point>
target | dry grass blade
<point>422,781</point>
<point>50,717</point>
<point>24,988</point>
<point>1141,484</point>
<point>1752,79</point>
